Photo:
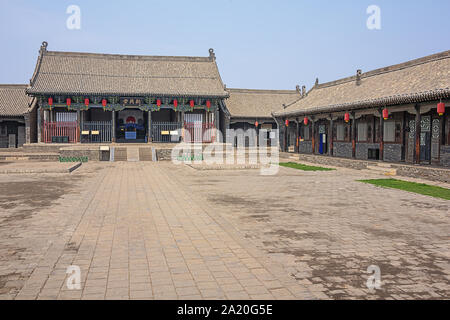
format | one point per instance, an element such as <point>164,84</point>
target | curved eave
<point>106,94</point>
<point>381,102</point>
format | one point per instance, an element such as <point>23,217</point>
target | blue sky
<point>258,44</point>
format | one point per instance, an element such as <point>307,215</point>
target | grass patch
<point>420,188</point>
<point>304,167</point>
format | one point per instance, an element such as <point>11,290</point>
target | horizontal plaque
<point>165,133</point>
<point>95,132</point>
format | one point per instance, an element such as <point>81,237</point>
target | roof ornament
<point>358,77</point>
<point>303,91</point>
<point>224,86</point>
<point>317,83</point>
<point>297,88</point>
<point>44,46</point>
<point>212,55</point>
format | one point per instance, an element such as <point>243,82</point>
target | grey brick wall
<point>362,150</point>
<point>305,147</point>
<point>445,156</point>
<point>393,152</point>
<point>342,149</point>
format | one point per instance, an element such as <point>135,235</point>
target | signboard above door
<point>131,102</point>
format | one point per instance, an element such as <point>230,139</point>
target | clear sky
<point>259,44</point>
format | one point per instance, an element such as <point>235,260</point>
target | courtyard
<point>163,231</point>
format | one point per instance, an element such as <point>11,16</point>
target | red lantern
<point>104,102</point>
<point>86,102</point>
<point>287,123</point>
<point>256,124</point>
<point>305,121</point>
<point>158,103</point>
<point>175,103</point>
<point>69,102</point>
<point>385,114</point>
<point>208,104</point>
<point>347,117</point>
<point>441,108</point>
<point>191,103</point>
<point>50,101</point>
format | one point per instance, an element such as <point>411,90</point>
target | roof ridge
<point>13,86</point>
<point>268,91</point>
<point>391,68</point>
<point>127,56</point>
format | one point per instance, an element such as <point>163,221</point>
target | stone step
<point>120,154</point>
<point>145,154</point>
<point>133,154</point>
<point>387,171</point>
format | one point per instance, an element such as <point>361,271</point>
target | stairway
<point>383,169</point>
<point>132,154</point>
<point>145,154</point>
<point>120,154</point>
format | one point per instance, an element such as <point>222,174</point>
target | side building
<point>17,116</point>
<point>399,113</point>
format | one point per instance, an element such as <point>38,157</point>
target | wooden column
<point>149,129</point>
<point>39,125</point>
<point>330,139</point>
<point>297,142</point>
<point>380,111</point>
<point>217,120</point>
<point>313,135</point>
<point>113,127</point>
<point>79,125</point>
<point>353,135</point>
<point>182,125</point>
<point>418,134</point>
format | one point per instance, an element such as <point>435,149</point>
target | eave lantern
<point>287,122</point>
<point>50,102</point>
<point>305,121</point>
<point>385,114</point>
<point>347,117</point>
<point>441,108</point>
<point>208,104</point>
<point>256,124</point>
<point>86,102</point>
<point>158,103</point>
<point>175,103</point>
<point>68,102</point>
<point>192,103</point>
<point>104,102</point>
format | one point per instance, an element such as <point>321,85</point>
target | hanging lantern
<point>347,117</point>
<point>175,103</point>
<point>50,102</point>
<point>441,108</point>
<point>256,124</point>
<point>305,121</point>
<point>104,102</point>
<point>287,122</point>
<point>158,103</point>
<point>69,102</point>
<point>86,102</point>
<point>192,103</point>
<point>208,104</point>
<point>385,114</point>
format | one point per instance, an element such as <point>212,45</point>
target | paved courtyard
<point>160,231</point>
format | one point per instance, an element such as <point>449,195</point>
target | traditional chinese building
<point>398,113</point>
<point>17,116</point>
<point>86,97</point>
<point>251,110</point>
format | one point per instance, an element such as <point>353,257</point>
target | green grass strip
<point>420,188</point>
<point>303,167</point>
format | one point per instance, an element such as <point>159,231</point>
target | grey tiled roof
<point>13,100</point>
<point>419,80</point>
<point>101,74</point>
<point>258,103</point>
